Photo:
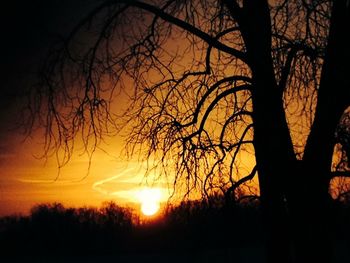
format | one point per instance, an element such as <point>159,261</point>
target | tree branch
<point>212,41</point>
<point>241,181</point>
<point>212,89</point>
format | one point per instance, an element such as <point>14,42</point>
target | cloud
<point>124,186</point>
<point>100,186</point>
<point>46,181</point>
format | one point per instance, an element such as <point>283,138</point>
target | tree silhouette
<point>213,83</point>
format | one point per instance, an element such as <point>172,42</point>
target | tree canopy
<point>186,66</point>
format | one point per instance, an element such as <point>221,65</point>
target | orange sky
<point>26,181</point>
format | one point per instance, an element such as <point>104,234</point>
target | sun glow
<point>150,200</point>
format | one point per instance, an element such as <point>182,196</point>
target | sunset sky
<point>28,29</point>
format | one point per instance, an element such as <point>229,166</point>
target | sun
<point>149,208</point>
<point>150,200</point>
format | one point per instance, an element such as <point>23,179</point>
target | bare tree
<point>213,84</point>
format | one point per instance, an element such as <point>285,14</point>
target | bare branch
<point>212,41</point>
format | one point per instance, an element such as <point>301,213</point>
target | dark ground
<point>192,232</point>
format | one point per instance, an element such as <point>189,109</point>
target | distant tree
<point>116,216</point>
<point>211,84</point>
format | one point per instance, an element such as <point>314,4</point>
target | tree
<point>212,83</point>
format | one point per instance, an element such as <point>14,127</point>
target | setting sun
<point>150,200</point>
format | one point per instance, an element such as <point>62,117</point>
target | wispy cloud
<point>98,186</point>
<point>134,187</point>
<point>46,181</point>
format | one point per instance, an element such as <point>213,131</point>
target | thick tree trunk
<point>274,156</point>
<point>300,187</point>
<point>274,161</point>
<point>314,213</point>
<point>294,194</point>
<point>272,142</point>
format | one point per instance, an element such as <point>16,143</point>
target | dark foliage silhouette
<point>54,232</point>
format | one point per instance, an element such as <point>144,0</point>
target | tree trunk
<point>312,212</point>
<point>294,194</point>
<point>274,161</point>
<point>272,142</point>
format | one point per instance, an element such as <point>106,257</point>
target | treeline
<point>55,230</point>
<point>52,229</point>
